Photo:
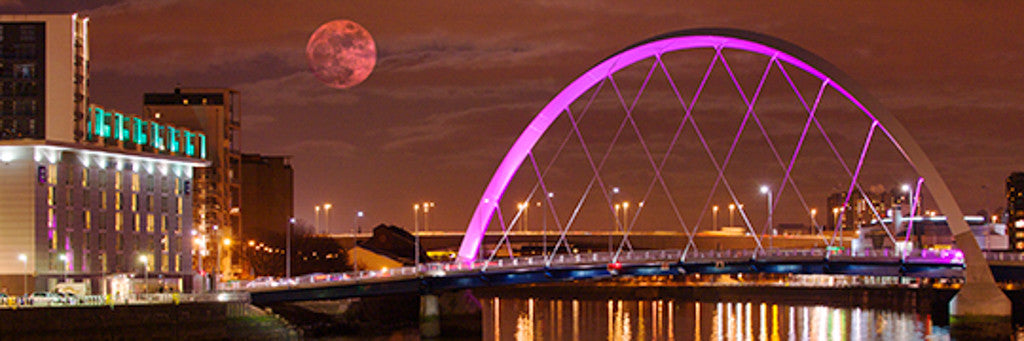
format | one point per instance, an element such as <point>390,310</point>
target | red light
<point>616,266</point>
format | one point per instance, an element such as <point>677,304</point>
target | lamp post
<point>416,237</point>
<point>625,215</point>
<point>544,233</point>
<point>145,270</point>
<point>327,218</point>
<point>64,263</point>
<point>355,240</point>
<point>523,210</point>
<point>732,209</point>
<point>427,205</point>
<point>288,249</point>
<point>24,262</point>
<point>814,222</point>
<point>714,218</point>
<point>316,224</point>
<point>768,194</point>
<point>416,216</point>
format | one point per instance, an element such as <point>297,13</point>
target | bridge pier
<point>980,310</point>
<point>430,316</point>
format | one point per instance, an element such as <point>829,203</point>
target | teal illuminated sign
<point>109,124</point>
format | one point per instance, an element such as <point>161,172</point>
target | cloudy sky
<point>456,81</point>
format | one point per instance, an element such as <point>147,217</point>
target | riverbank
<point>201,320</point>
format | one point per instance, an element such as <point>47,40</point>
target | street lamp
<point>525,213</point>
<point>427,205</point>
<point>288,249</point>
<point>544,234</point>
<point>732,209</point>
<point>355,240</point>
<point>768,193</point>
<point>64,260</point>
<point>625,215</point>
<point>714,218</point>
<point>145,269</point>
<point>814,222</point>
<point>316,225</point>
<point>24,261</point>
<point>327,218</point>
<point>416,216</point>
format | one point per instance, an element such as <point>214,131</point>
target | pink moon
<point>341,54</point>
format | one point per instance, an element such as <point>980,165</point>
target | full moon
<point>341,54</point>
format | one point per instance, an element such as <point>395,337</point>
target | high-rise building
<point>44,63</point>
<point>217,194</point>
<point>1015,210</point>
<point>93,200</point>
<point>267,195</point>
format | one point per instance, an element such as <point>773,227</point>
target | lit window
<point>117,180</point>
<point>150,223</point>
<point>85,177</point>
<point>135,182</point>
<point>118,221</point>
<point>51,174</point>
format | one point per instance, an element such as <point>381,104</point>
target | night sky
<point>456,81</point>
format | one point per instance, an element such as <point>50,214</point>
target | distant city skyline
<point>455,83</point>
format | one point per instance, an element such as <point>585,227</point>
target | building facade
<point>91,200</point>
<point>217,188</point>
<point>44,62</point>
<point>267,190</point>
<point>1015,210</point>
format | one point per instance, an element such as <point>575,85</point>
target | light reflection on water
<point>614,320</point>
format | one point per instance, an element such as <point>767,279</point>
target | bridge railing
<point>949,256</point>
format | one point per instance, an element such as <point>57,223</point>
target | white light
<point>905,188</point>
<point>359,214</point>
<point>615,190</point>
<point>23,257</point>
<point>764,189</point>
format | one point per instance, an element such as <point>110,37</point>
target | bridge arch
<point>733,39</point>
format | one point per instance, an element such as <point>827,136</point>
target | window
<point>86,219</point>
<point>135,182</point>
<point>117,180</point>
<point>164,264</point>
<point>150,223</point>
<point>119,243</point>
<point>51,219</point>
<point>135,202</point>
<point>49,196</point>
<point>117,201</point>
<point>103,199</point>
<point>138,224</point>
<point>118,221</point>
<point>180,208</point>
<point>85,177</point>
<point>51,174</point>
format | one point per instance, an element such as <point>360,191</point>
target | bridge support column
<point>980,310</point>
<point>430,316</point>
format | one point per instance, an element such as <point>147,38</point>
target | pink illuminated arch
<point>718,38</point>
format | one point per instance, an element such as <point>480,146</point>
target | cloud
<point>298,89</point>
<point>319,148</point>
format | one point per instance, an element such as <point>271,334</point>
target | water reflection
<point>614,320</point>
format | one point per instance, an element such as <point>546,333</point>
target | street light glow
<point>23,257</point>
<point>764,189</point>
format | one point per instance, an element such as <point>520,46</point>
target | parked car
<point>44,298</point>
